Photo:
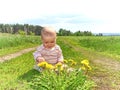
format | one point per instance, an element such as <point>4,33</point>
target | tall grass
<point>13,43</point>
<point>17,40</point>
<point>108,45</point>
<point>12,71</point>
<point>67,50</point>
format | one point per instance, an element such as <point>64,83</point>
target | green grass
<point>18,72</point>
<point>12,72</point>
<point>67,50</point>
<point>13,43</point>
<point>108,45</point>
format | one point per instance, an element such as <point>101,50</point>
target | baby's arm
<point>60,56</point>
<point>37,55</point>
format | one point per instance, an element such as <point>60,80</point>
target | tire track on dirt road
<point>14,55</point>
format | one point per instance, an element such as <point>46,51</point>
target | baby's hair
<point>48,31</point>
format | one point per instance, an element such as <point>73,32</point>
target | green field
<point>108,45</point>
<point>18,72</point>
<point>13,43</point>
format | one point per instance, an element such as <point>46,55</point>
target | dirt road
<point>106,71</point>
<point>13,55</point>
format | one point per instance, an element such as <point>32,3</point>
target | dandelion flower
<point>42,64</point>
<point>61,68</point>
<point>65,61</point>
<point>83,68</point>
<point>89,68</point>
<point>73,63</point>
<point>85,62</point>
<point>71,60</point>
<point>49,66</point>
<point>58,64</point>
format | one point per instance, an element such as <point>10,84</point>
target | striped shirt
<point>51,56</point>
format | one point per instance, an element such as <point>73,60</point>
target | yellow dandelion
<point>89,68</point>
<point>49,66</point>
<point>73,63</point>
<point>83,68</point>
<point>42,64</point>
<point>61,68</point>
<point>65,61</point>
<point>85,62</point>
<point>70,60</point>
<point>58,64</point>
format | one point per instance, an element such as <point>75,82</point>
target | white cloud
<point>91,15</point>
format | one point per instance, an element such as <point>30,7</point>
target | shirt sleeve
<point>60,55</point>
<point>37,53</point>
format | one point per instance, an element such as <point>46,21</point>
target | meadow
<point>18,73</point>
<point>13,43</point>
<point>107,45</point>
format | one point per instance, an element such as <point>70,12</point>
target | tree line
<point>26,29</point>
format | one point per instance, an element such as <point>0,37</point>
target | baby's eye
<point>46,42</point>
<point>52,42</point>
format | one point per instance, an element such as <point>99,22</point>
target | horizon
<point>104,33</point>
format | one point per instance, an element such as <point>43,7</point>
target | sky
<point>97,16</point>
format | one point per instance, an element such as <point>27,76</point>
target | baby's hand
<point>40,59</point>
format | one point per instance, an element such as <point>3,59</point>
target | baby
<point>49,51</point>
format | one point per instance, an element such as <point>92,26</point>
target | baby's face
<point>49,42</point>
